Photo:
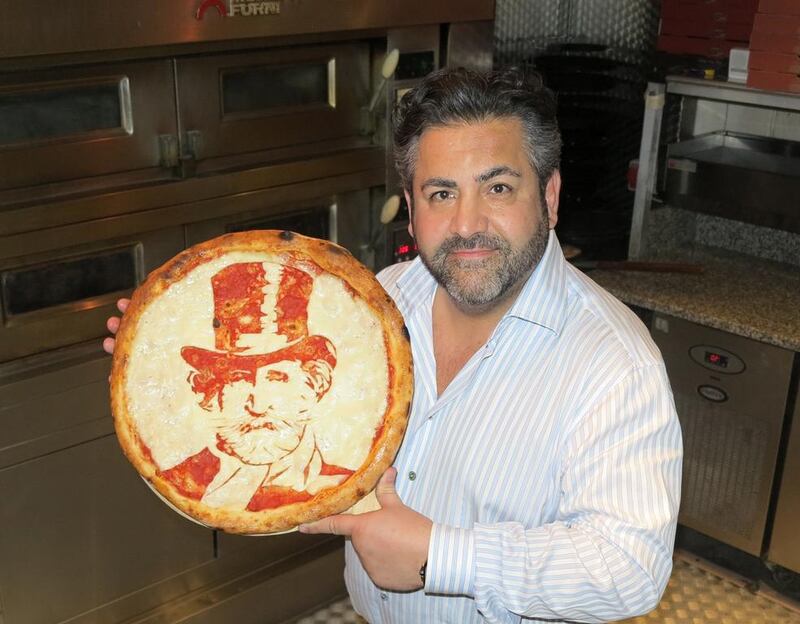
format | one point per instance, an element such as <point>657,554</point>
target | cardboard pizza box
<point>775,24</point>
<point>708,14</point>
<point>781,7</point>
<point>745,5</point>
<point>709,29</point>
<point>697,46</point>
<point>783,44</point>
<point>773,81</point>
<point>774,62</point>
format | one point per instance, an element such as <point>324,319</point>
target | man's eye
<point>274,375</point>
<point>439,195</point>
<point>499,188</point>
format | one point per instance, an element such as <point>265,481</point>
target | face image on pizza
<point>259,382</point>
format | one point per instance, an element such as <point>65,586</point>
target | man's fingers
<point>112,324</point>
<point>385,491</point>
<point>108,345</point>
<point>122,304</point>
<point>334,525</point>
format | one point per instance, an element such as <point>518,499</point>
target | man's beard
<point>257,446</point>
<point>476,284</point>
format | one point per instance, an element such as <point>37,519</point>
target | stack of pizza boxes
<point>775,47</point>
<point>707,28</point>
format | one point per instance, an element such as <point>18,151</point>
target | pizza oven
<point>127,135</point>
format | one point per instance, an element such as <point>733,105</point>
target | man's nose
<point>259,406</point>
<point>470,216</point>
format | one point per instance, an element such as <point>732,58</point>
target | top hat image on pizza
<point>255,389</point>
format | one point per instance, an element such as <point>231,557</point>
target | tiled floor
<point>698,593</point>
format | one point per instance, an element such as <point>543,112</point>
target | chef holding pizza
<point>539,477</point>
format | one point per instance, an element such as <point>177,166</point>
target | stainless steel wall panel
<point>62,514</point>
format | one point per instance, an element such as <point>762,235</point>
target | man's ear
<point>410,216</point>
<point>551,193</point>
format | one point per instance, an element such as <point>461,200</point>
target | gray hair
<point>461,95</point>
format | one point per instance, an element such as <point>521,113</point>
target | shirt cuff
<point>451,561</point>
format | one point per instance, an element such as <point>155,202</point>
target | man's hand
<point>113,325</point>
<point>392,542</point>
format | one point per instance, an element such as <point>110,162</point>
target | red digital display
<point>404,250</point>
<point>717,359</point>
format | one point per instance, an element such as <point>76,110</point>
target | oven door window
<point>30,289</point>
<point>65,110</point>
<point>256,91</point>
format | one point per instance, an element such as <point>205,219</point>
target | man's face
<point>263,421</point>
<point>477,213</point>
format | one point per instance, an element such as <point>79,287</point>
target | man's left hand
<point>392,543</point>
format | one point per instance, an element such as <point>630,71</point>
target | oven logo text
<point>239,8</point>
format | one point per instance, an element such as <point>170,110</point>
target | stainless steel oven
<point>127,135</point>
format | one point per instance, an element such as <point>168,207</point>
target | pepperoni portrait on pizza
<point>261,380</point>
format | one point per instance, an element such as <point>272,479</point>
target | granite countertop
<point>743,295</point>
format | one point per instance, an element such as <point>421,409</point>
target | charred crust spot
<point>361,493</point>
<point>405,333</point>
<point>216,322</point>
<point>286,235</point>
<point>338,250</point>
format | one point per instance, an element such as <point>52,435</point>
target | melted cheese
<point>341,425</point>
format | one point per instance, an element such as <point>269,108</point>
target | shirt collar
<point>542,299</point>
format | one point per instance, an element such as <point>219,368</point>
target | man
<point>539,477</point>
<point>540,473</point>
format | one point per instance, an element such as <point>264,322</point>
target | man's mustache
<point>482,240</point>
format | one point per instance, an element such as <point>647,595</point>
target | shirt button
<point>412,475</point>
<point>384,597</point>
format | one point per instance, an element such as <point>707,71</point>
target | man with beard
<point>539,477</point>
<point>540,474</point>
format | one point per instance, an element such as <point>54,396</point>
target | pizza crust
<point>292,250</point>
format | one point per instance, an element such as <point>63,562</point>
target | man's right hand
<point>113,325</point>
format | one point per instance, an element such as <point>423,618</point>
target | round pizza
<point>261,380</point>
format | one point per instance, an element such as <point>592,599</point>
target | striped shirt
<point>550,466</point>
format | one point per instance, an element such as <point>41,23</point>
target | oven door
<point>343,217</point>
<point>84,122</point>
<point>233,107</point>
<point>59,298</point>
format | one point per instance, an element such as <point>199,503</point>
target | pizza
<point>261,380</point>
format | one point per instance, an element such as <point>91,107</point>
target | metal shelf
<point>731,92</point>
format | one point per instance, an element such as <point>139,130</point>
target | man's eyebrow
<point>442,182</point>
<point>497,171</point>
